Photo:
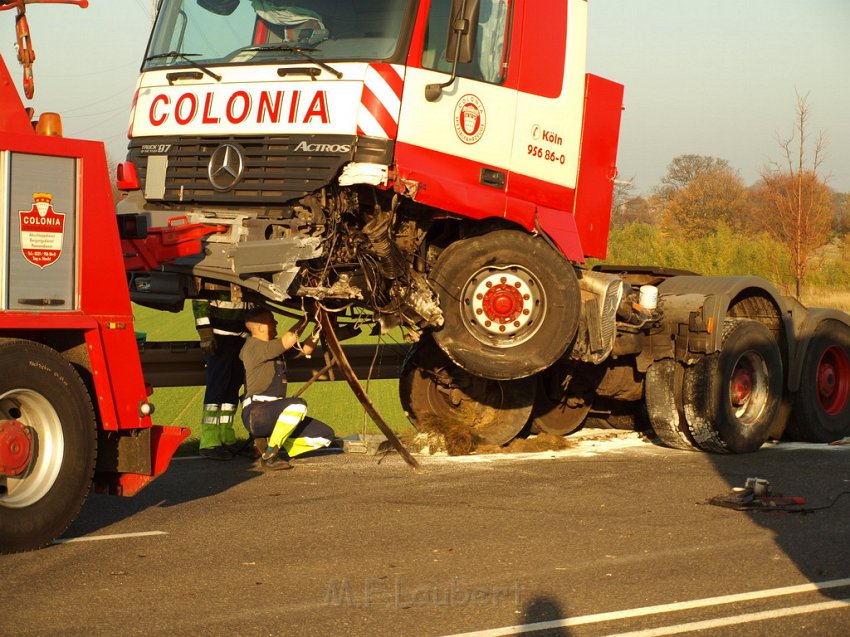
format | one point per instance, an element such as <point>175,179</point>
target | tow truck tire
<point>510,304</point>
<point>663,395</point>
<point>821,407</point>
<point>732,397</point>
<point>41,390</point>
<point>439,396</point>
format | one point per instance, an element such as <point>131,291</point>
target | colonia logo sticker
<point>470,119</point>
<point>42,231</point>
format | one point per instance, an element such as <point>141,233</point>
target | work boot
<point>260,445</point>
<point>215,453</point>
<point>273,460</point>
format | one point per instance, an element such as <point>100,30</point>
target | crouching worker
<point>267,413</point>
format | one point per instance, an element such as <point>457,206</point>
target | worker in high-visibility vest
<point>221,328</point>
<point>266,411</point>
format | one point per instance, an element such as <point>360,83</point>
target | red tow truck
<point>74,410</point>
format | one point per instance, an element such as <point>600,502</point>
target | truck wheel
<point>821,409</point>
<point>557,417</point>
<point>560,412</point>
<point>731,398</point>
<point>510,304</point>
<point>663,397</point>
<point>439,396</point>
<point>43,394</point>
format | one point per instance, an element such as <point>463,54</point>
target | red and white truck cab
<point>342,146</point>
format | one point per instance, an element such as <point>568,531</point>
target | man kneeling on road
<point>267,412</point>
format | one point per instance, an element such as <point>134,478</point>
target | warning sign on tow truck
<point>42,231</point>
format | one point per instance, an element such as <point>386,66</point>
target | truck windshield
<point>216,32</point>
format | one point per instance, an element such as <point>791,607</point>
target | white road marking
<point>734,620</point>
<point>116,536</point>
<point>663,608</point>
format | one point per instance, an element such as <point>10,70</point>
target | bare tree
<point>624,190</point>
<point>798,203</point>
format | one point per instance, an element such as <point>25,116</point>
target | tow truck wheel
<point>42,395</point>
<point>439,396</point>
<point>821,409</point>
<point>663,395</point>
<point>731,398</point>
<point>510,304</point>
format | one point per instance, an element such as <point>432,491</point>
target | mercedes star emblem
<point>226,166</point>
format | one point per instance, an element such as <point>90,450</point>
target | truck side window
<point>491,48</point>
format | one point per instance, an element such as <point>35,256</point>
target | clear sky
<point>721,78</point>
<point>717,77</point>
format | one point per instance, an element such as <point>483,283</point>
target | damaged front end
<point>349,246</point>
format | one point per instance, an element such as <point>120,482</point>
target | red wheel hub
<point>15,447</point>
<point>833,380</point>
<point>502,303</point>
<point>741,387</point>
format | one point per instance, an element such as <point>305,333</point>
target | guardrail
<point>181,363</point>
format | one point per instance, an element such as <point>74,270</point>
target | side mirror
<point>219,7</point>
<point>463,30</point>
<point>460,45</point>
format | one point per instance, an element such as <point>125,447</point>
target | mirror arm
<point>434,91</point>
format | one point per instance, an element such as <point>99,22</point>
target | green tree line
<point>789,227</point>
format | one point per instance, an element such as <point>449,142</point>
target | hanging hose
<point>377,230</point>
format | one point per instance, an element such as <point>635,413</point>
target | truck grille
<point>276,169</point>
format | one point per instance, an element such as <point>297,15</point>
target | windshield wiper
<point>300,50</point>
<point>187,58</point>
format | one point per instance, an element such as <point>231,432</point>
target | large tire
<point>559,412</point>
<point>663,396</point>
<point>42,391</point>
<point>821,407</point>
<point>439,396</point>
<point>510,304</point>
<point>732,397</point>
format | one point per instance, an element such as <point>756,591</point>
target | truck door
<point>458,147</point>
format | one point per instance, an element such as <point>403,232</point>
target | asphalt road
<point>610,538</point>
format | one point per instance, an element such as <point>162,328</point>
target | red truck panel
<point>598,164</point>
